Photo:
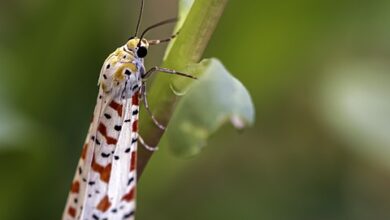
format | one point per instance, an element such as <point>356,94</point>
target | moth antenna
<point>139,17</point>
<point>172,20</point>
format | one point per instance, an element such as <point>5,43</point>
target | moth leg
<point>145,101</point>
<point>147,147</point>
<point>155,42</point>
<point>165,70</point>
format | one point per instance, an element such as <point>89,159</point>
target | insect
<point>104,186</point>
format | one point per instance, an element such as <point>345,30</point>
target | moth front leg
<point>145,101</point>
<point>166,70</point>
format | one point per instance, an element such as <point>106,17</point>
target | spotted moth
<point>104,186</point>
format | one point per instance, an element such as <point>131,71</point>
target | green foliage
<point>217,90</point>
<point>213,100</point>
<point>315,151</point>
<point>198,22</point>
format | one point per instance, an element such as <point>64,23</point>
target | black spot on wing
<point>105,155</point>
<point>95,217</point>
<point>135,87</point>
<point>117,127</point>
<point>130,180</point>
<point>128,215</point>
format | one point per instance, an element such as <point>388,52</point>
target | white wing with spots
<point>105,185</point>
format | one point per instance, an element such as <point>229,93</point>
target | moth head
<point>139,47</point>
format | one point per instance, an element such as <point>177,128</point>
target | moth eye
<point>142,52</point>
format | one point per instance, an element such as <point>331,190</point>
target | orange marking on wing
<point>75,187</point>
<point>84,151</point>
<point>72,212</point>
<point>104,172</point>
<point>129,196</point>
<point>103,130</point>
<point>117,107</point>
<point>135,99</point>
<point>135,126</point>
<point>104,204</point>
<point>133,161</point>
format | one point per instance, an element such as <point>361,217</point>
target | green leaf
<point>216,98</point>
<point>187,48</point>
<point>184,9</point>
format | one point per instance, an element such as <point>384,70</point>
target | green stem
<point>188,48</point>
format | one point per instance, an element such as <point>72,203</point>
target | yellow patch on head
<point>133,43</point>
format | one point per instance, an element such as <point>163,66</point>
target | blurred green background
<point>318,72</point>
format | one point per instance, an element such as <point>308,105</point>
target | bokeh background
<point>318,72</point>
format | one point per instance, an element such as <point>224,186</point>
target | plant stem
<point>187,49</point>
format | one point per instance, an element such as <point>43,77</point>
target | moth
<point>104,186</point>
